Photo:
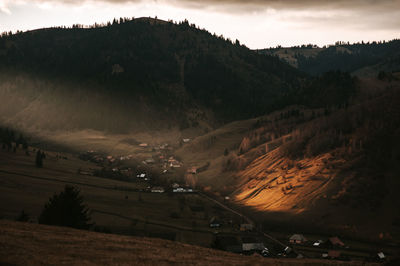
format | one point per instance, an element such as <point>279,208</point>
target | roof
<point>298,237</point>
<point>336,241</point>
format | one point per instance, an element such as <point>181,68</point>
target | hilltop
<point>362,59</point>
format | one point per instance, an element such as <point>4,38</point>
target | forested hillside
<point>136,69</point>
<point>360,58</point>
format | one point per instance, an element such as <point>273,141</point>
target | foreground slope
<point>32,244</point>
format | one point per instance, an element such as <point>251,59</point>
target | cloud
<point>249,4</point>
<point>4,7</point>
<point>377,14</point>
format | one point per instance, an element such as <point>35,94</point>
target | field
<point>31,244</point>
<point>117,206</point>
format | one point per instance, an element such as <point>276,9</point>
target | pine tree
<point>66,209</point>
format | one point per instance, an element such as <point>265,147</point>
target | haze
<point>256,23</point>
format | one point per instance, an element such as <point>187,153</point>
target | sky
<point>256,23</point>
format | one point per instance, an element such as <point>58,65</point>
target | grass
<point>116,205</point>
<point>32,244</point>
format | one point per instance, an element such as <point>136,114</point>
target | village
<point>163,173</point>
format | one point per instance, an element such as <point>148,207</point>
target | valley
<point>180,139</point>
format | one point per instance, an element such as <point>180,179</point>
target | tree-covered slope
<point>360,58</point>
<point>143,64</point>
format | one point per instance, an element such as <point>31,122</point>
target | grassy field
<point>121,207</point>
<point>32,244</point>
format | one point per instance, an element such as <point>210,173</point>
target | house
<point>335,241</point>
<point>318,243</point>
<point>141,175</point>
<point>157,190</point>
<point>252,244</point>
<point>287,250</point>
<point>215,223</point>
<point>174,164</point>
<point>150,161</point>
<point>297,239</point>
<point>381,256</point>
<point>246,227</point>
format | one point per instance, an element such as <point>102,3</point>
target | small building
<point>318,243</point>
<point>297,239</point>
<point>175,164</point>
<point>143,175</point>
<point>157,190</point>
<point>246,227</point>
<point>252,244</point>
<point>150,161</point>
<point>215,223</point>
<point>186,140</point>
<point>381,256</point>
<point>143,145</point>
<point>335,241</point>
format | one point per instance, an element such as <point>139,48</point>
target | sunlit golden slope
<point>274,183</point>
<point>336,167</point>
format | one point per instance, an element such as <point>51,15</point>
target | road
<point>245,218</point>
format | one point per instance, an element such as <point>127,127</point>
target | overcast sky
<point>256,23</point>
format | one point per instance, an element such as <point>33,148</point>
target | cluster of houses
<point>161,147</point>
<point>100,158</point>
<point>171,162</point>
<point>174,163</point>
<point>176,188</point>
<point>333,244</point>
